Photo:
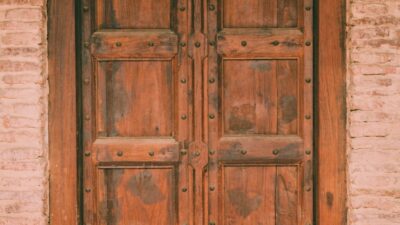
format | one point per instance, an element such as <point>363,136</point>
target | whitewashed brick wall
<point>23,113</point>
<point>374,112</point>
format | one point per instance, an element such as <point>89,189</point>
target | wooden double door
<point>197,112</point>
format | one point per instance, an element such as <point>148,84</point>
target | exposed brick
<point>374,112</point>
<point>23,113</point>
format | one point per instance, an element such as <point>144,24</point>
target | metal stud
<point>211,223</point>
<point>184,189</point>
<point>211,152</point>
<point>87,190</point>
<point>211,116</point>
<point>120,153</point>
<point>85,8</point>
<point>212,188</point>
<point>183,81</point>
<point>308,188</point>
<point>308,8</point>
<point>275,43</point>
<point>197,44</point>
<point>183,117</point>
<point>308,80</point>
<point>211,80</point>
<point>275,152</point>
<point>182,8</point>
<point>197,154</point>
<point>118,44</point>
<point>211,7</point>
<point>244,43</point>
<point>150,44</point>
<point>86,81</point>
<point>308,117</point>
<point>308,151</point>
<point>308,43</point>
<point>87,153</point>
<point>183,152</point>
<point>87,117</point>
<point>182,44</point>
<point>86,44</point>
<point>151,153</point>
<point>212,43</point>
<point>243,152</point>
<point>220,37</point>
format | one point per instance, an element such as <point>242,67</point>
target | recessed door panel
<point>125,89</point>
<point>137,196</point>
<point>134,14</point>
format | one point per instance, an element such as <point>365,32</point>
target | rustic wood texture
<point>136,196</point>
<point>260,13</point>
<point>331,185</point>
<point>62,113</point>
<point>123,14</point>
<point>123,97</point>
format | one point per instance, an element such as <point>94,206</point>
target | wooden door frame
<point>330,111</point>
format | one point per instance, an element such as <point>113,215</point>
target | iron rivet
<point>212,223</point>
<point>197,44</point>
<point>183,152</point>
<point>205,169</point>
<point>211,7</point>
<point>211,116</point>
<point>197,153</point>
<point>308,8</point>
<point>308,117</point>
<point>244,43</point>
<point>212,43</point>
<point>86,44</point>
<point>244,152</point>
<point>87,154</point>
<point>120,153</point>
<point>88,190</point>
<point>184,189</point>
<point>183,117</point>
<point>182,8</point>
<point>211,152</point>
<point>308,80</point>
<point>275,152</point>
<point>183,81</point>
<point>86,81</point>
<point>275,43</point>
<point>85,8</point>
<point>211,80</point>
<point>151,153</point>
<point>308,188</point>
<point>182,44</point>
<point>118,44</point>
<point>150,44</point>
<point>87,117</point>
<point>212,188</point>
<point>308,151</point>
<point>308,43</point>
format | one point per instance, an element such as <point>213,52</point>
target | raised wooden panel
<point>133,14</point>
<point>137,196</point>
<point>260,13</point>
<point>260,194</point>
<point>260,96</point>
<point>135,98</point>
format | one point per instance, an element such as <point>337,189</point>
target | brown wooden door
<point>197,112</point>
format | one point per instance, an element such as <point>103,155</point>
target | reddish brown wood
<point>62,113</point>
<point>331,140</point>
<point>331,188</point>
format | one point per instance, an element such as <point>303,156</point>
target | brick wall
<point>374,112</point>
<point>23,113</point>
